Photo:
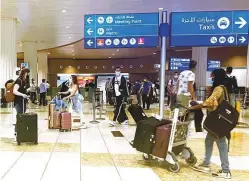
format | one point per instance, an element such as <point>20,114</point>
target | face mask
<point>176,76</point>
<point>145,80</point>
<point>210,80</point>
<point>70,80</point>
<point>117,73</point>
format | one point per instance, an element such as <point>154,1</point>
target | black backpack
<point>231,84</point>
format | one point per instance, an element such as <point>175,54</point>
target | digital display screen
<point>176,64</point>
<point>212,65</point>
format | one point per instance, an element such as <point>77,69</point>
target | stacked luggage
<point>162,139</point>
<point>61,119</point>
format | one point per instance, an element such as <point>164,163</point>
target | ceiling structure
<point>55,23</point>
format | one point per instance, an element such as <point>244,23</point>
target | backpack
<point>231,84</point>
<point>9,95</point>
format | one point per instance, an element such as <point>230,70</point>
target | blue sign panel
<point>25,65</point>
<point>211,28</point>
<point>212,65</point>
<point>121,30</point>
<point>176,64</point>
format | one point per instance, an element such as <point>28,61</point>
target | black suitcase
<point>137,113</point>
<point>26,128</point>
<point>145,134</point>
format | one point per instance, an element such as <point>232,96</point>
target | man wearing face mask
<point>147,93</point>
<point>172,90</point>
<point>121,92</point>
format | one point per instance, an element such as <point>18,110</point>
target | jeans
<point>146,100</point>
<point>19,107</point>
<point>119,112</point>
<point>172,101</point>
<point>223,150</point>
<point>43,98</point>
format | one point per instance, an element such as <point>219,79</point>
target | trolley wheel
<point>174,168</point>
<point>192,160</point>
<point>147,157</point>
<point>18,143</point>
<point>36,143</point>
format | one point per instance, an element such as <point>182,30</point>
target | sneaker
<point>125,122</point>
<point>112,123</point>
<point>203,167</point>
<point>222,174</point>
<point>83,126</point>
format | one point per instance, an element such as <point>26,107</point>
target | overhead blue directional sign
<point>210,28</point>
<point>121,30</point>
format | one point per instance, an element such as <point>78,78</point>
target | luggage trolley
<point>177,143</point>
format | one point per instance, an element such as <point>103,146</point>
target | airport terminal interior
<point>109,56</point>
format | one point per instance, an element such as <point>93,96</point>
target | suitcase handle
<point>23,101</point>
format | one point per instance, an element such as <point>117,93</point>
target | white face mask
<point>70,80</point>
<point>176,76</point>
<point>117,73</point>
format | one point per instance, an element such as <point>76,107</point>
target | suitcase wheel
<point>18,143</point>
<point>192,160</point>
<point>36,143</point>
<point>174,168</point>
<point>147,157</point>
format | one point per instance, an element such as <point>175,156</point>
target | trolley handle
<point>178,105</point>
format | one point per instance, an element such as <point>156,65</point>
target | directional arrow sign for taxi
<point>242,22</point>
<point>209,28</point>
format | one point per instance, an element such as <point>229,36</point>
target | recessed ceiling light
<point>73,54</point>
<point>48,53</point>
<point>20,45</point>
<point>113,54</point>
<point>72,50</point>
<point>69,37</point>
<point>154,53</point>
<point>110,57</point>
<point>64,11</point>
<point>67,27</point>
<point>117,50</point>
<point>160,8</point>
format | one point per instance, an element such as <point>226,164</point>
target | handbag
<point>223,120</point>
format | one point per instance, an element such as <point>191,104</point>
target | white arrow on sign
<point>89,42</point>
<point>242,39</point>
<point>89,20</point>
<point>90,31</point>
<point>242,22</point>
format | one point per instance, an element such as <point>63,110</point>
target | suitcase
<point>137,113</point>
<point>51,110</point>
<point>145,134</point>
<point>26,128</point>
<point>56,121</point>
<point>162,139</point>
<point>66,121</point>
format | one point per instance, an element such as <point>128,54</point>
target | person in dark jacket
<point>121,92</point>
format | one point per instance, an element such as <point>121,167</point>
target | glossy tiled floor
<point>95,154</point>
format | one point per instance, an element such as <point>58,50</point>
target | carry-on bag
<point>51,110</point>
<point>137,113</point>
<point>145,134</point>
<point>66,121</point>
<point>26,127</point>
<point>223,120</point>
<point>56,120</point>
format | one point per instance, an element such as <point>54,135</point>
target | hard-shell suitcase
<point>163,135</point>
<point>66,121</point>
<point>56,120</point>
<point>137,113</point>
<point>26,128</point>
<point>51,110</point>
<point>145,134</point>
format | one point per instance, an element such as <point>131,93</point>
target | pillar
<point>8,61</point>
<point>42,66</point>
<point>199,54</point>
<point>247,68</point>
<point>30,56</point>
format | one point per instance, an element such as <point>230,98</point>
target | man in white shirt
<point>185,86</point>
<point>121,93</point>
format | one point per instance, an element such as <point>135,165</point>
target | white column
<point>247,67</point>
<point>8,61</point>
<point>42,66</point>
<point>30,56</point>
<point>199,54</point>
